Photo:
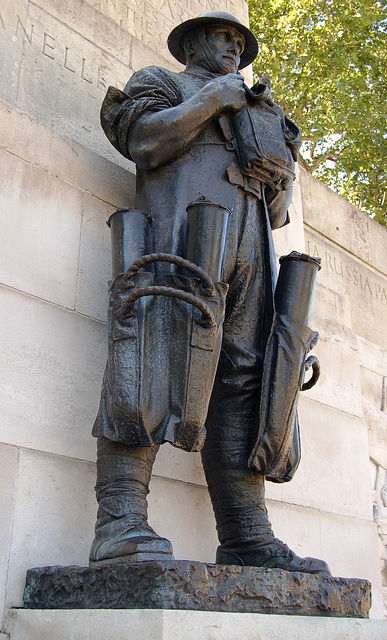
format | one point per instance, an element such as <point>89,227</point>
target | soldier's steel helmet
<point>178,34</point>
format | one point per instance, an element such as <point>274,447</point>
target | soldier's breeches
<point>237,492</point>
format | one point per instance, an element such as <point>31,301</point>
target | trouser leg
<point>122,531</point>
<point>236,491</point>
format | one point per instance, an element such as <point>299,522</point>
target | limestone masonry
<point>61,179</point>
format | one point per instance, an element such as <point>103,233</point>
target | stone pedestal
<point>60,180</point>
<point>142,624</point>
<point>195,586</point>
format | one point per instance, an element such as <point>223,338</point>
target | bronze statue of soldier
<point>186,133</point>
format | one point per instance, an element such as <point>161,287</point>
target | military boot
<point>122,532</point>
<point>238,499</point>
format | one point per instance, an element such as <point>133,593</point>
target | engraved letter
<point>46,45</point>
<point>339,273</point>
<point>24,29</point>
<point>316,253</point>
<point>65,61</point>
<point>328,260</point>
<point>168,3</point>
<point>367,284</point>
<point>83,72</point>
<point>101,80</point>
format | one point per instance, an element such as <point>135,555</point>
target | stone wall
<point>353,249</point>
<point>61,180</point>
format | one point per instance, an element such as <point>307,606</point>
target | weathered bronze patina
<point>181,584</point>
<point>192,349</point>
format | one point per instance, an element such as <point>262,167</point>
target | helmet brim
<point>178,35</point>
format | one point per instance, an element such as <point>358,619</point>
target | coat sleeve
<point>151,89</point>
<point>278,203</point>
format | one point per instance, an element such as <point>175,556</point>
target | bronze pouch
<point>165,335</point>
<point>266,141</point>
<point>276,449</point>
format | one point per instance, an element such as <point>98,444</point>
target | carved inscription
<point>349,271</point>
<point>55,48</point>
<point>152,20</point>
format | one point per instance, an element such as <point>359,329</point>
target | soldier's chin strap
<point>213,64</point>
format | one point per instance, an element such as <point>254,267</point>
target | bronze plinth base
<point>181,584</point>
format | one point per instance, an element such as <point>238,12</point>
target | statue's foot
<point>273,555</point>
<point>133,544</point>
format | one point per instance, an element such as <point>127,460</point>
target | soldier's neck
<point>196,69</point>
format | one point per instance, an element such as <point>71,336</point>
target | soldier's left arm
<point>278,203</point>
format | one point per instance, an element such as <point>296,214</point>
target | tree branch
<point>302,105</point>
<point>328,155</point>
<point>303,164</point>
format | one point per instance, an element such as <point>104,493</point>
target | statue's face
<point>227,45</point>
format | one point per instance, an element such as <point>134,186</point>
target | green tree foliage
<point>327,62</point>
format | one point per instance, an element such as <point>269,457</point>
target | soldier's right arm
<point>159,137</point>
